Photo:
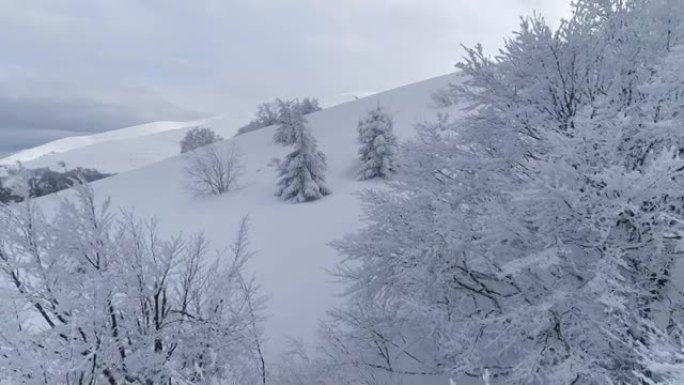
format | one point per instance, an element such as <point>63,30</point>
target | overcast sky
<point>71,67</point>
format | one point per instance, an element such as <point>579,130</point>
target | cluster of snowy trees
<point>90,297</point>
<point>198,137</point>
<point>270,113</point>
<point>302,172</point>
<point>539,239</point>
<point>41,181</point>
<point>213,169</point>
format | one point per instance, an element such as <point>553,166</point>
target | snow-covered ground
<point>291,240</point>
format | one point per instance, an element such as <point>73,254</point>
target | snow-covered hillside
<point>112,151</point>
<point>291,240</point>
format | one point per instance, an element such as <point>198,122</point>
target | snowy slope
<point>112,151</point>
<point>290,239</point>
<point>74,142</point>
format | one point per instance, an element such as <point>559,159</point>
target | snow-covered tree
<point>308,105</point>
<point>532,241</point>
<point>90,297</point>
<point>302,172</point>
<point>378,145</point>
<point>268,113</point>
<point>291,121</point>
<point>198,137</point>
<point>214,169</point>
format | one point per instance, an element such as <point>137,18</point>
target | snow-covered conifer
<point>378,145</point>
<point>302,172</point>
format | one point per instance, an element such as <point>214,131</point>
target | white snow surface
<point>293,258</point>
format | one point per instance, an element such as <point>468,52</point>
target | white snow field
<point>291,240</point>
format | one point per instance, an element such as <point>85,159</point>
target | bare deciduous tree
<point>214,169</point>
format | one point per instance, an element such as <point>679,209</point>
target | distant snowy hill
<point>112,151</point>
<point>291,240</point>
<point>123,149</point>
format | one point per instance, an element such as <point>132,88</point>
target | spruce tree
<point>302,172</point>
<point>378,145</point>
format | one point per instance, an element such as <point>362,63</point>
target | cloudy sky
<point>71,67</point>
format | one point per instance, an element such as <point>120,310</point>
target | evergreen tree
<point>290,122</point>
<point>379,145</point>
<point>302,176</point>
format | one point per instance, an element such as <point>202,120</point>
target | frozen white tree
<point>444,97</point>
<point>308,105</point>
<point>268,113</point>
<point>531,242</point>
<point>290,122</point>
<point>214,169</point>
<point>198,137</point>
<point>90,297</point>
<point>302,172</point>
<point>378,145</point>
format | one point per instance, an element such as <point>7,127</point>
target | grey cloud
<point>89,65</point>
<point>79,115</point>
<point>27,122</point>
<point>14,138</point>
